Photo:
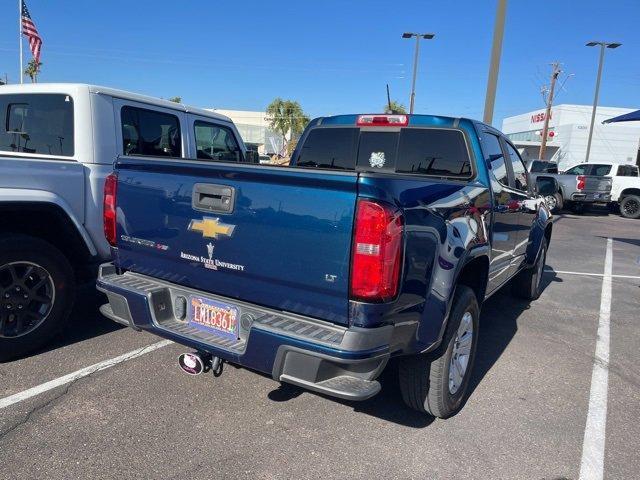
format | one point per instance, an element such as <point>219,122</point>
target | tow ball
<point>195,363</point>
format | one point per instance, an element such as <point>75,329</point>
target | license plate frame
<point>215,317</point>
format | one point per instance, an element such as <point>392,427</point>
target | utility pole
<point>494,67</point>
<point>545,130</point>
<point>602,46</point>
<point>418,36</point>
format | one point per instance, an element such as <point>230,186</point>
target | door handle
<point>207,197</point>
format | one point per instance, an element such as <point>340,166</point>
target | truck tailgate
<point>272,236</point>
<point>597,184</point>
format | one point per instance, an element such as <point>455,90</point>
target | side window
<point>627,171</point>
<point>38,123</point>
<point>494,157</point>
<point>519,172</point>
<point>216,142</point>
<point>149,132</point>
<point>577,170</point>
<point>600,170</point>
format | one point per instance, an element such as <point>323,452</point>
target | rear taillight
<point>581,180</point>
<point>377,252</point>
<point>109,208</point>
<point>382,121</point>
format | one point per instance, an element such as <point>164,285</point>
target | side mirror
<point>252,156</point>
<point>546,186</point>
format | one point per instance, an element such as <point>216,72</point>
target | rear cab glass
<point>441,152</point>
<point>538,166</point>
<point>37,123</point>
<point>329,148</point>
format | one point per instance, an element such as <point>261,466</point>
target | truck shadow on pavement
<point>498,326</point>
<point>85,321</point>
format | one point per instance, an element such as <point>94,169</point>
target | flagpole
<point>20,38</point>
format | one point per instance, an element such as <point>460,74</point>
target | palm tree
<point>176,99</point>
<point>395,107</point>
<point>32,70</point>
<point>287,118</point>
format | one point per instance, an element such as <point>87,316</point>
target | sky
<point>333,56</point>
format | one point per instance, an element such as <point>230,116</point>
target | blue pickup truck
<point>381,239</point>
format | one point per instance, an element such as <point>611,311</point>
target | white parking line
<point>592,464</point>
<point>591,274</point>
<point>83,372</point>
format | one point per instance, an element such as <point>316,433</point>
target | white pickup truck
<point>58,142</point>
<point>625,188</point>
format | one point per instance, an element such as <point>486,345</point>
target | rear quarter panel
<point>447,224</point>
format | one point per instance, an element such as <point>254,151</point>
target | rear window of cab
<point>424,151</point>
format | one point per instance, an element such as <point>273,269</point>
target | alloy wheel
<point>551,201</point>
<point>631,207</point>
<point>27,295</point>
<point>461,353</point>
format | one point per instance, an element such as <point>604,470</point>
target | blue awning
<point>627,117</point>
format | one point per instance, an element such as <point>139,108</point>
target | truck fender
<point>8,195</point>
<point>444,278</point>
<point>478,253</point>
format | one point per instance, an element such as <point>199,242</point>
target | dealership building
<point>569,132</point>
<point>254,130</point>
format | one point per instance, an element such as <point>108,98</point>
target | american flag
<point>30,31</point>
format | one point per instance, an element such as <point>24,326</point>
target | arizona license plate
<point>214,317</point>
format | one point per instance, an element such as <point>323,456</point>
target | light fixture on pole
<point>602,45</point>
<point>418,36</point>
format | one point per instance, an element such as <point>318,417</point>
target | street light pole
<point>602,45</point>
<point>415,73</point>
<point>494,66</point>
<point>418,36</point>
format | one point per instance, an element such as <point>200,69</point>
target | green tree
<point>32,70</point>
<point>286,118</point>
<point>395,107</point>
<point>176,99</point>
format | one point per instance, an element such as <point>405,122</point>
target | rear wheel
<point>438,384</point>
<point>577,208</point>
<point>528,283</point>
<point>630,206</point>
<point>37,290</point>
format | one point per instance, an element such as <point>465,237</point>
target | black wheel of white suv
<point>437,383</point>
<point>630,206</point>
<point>37,290</point>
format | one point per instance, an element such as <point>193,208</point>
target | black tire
<point>557,202</point>
<point>16,251</point>
<point>577,208</point>
<point>528,283</point>
<point>630,206</point>
<point>424,379</point>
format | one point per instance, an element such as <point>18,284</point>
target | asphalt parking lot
<point>532,396</point>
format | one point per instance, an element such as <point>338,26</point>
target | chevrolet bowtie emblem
<point>211,227</point>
